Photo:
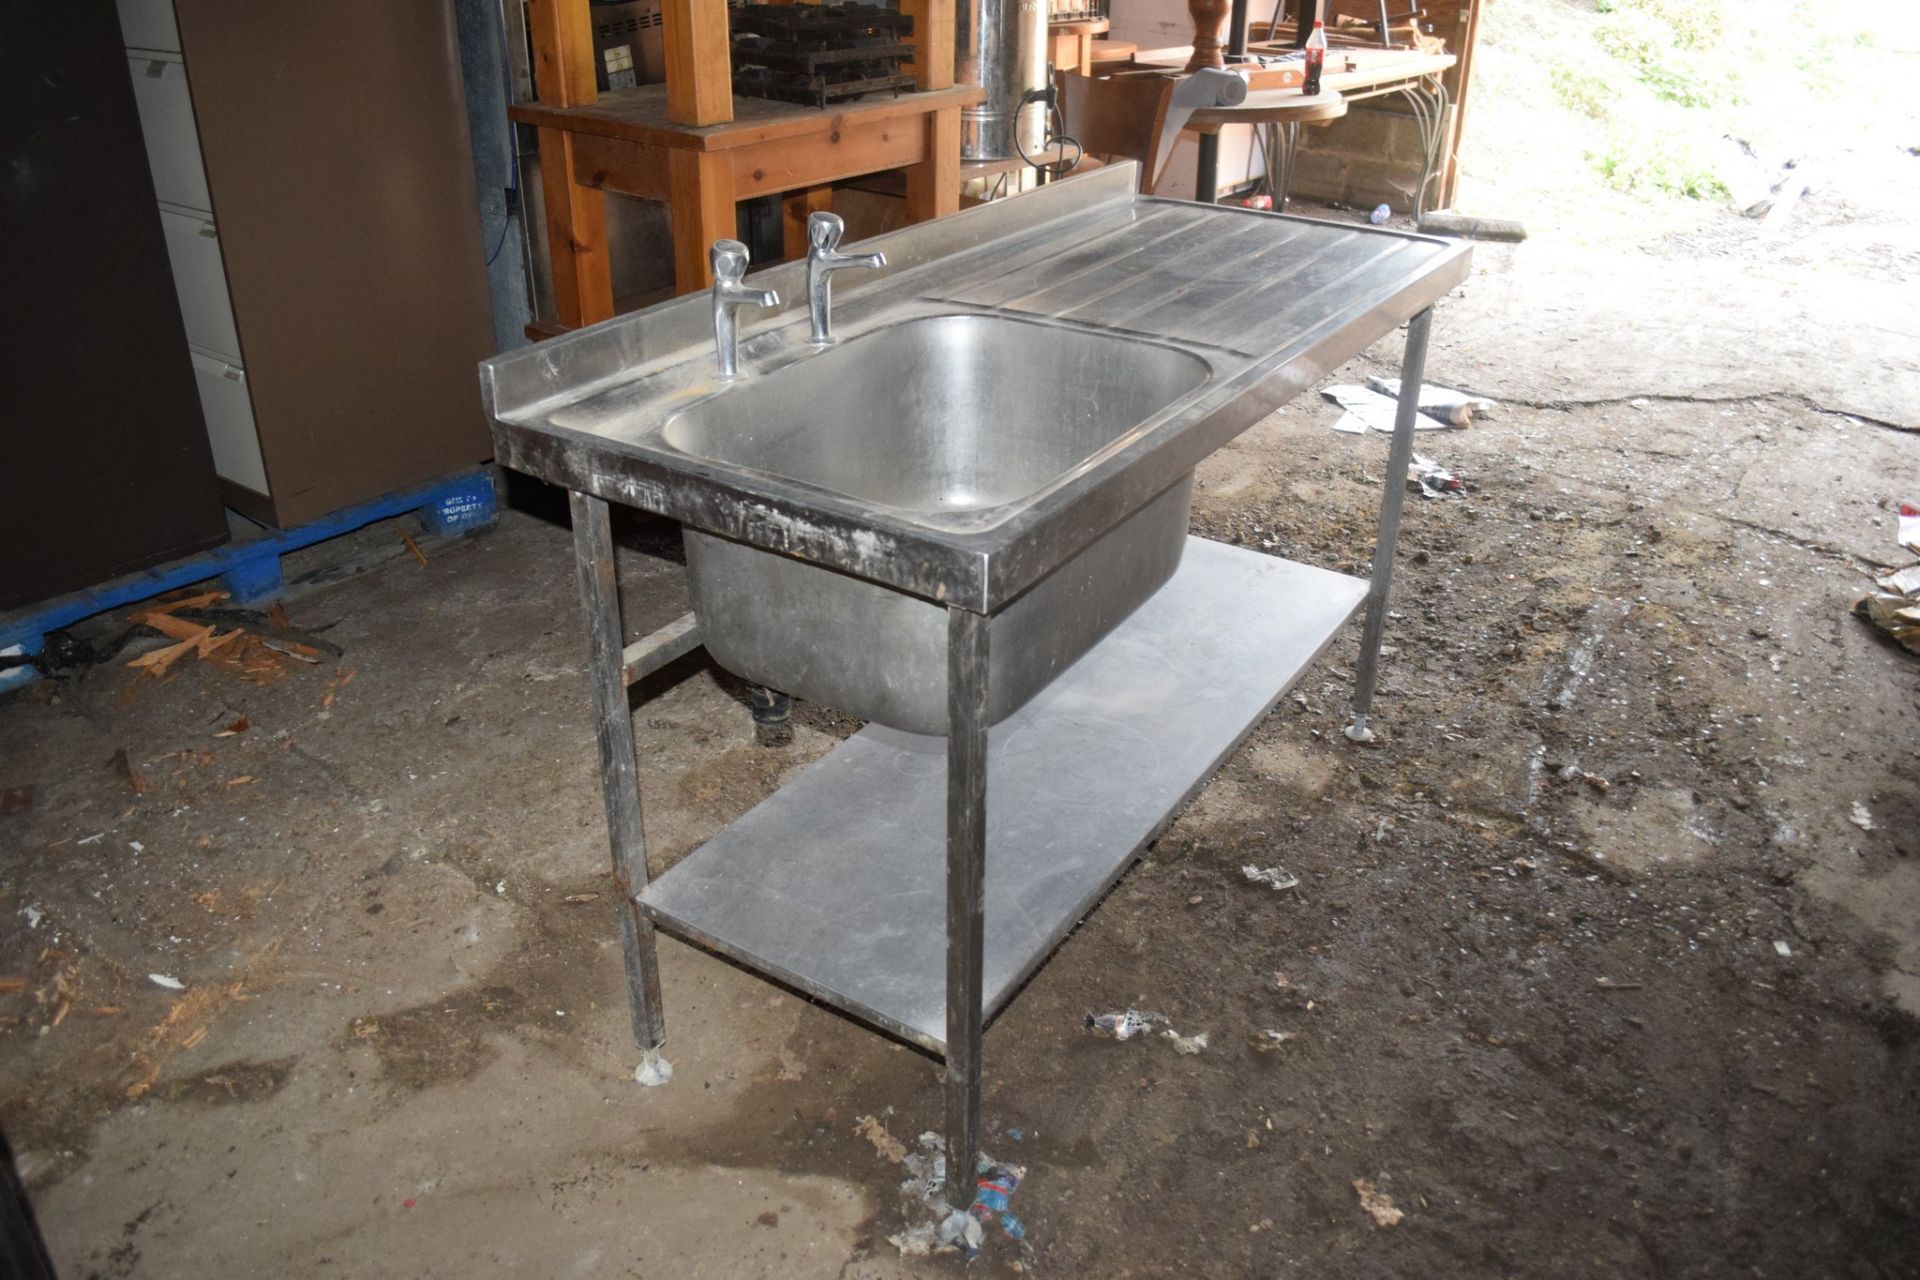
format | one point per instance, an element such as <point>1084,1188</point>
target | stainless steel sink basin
<point>948,420</point>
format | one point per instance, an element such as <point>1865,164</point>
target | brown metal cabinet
<point>327,247</point>
<point>104,465</point>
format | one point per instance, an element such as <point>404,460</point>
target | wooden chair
<point>1121,116</point>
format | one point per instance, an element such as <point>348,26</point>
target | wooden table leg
<point>933,185</point>
<point>795,208</point>
<point>701,208</point>
<point>576,237</point>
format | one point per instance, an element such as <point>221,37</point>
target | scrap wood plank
<point>156,662</point>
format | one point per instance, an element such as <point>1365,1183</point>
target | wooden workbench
<point>624,142</point>
<point>692,144</point>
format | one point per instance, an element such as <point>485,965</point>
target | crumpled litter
<point>1895,607</point>
<point>883,1142</point>
<point>956,1230</point>
<point>1188,1045</point>
<point>654,1070</point>
<point>1275,878</point>
<point>1123,1026</point>
<point>1134,1022</point>
<point>1434,480</point>
<point>1378,1203</point>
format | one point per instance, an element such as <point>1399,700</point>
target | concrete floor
<point>402,1046</point>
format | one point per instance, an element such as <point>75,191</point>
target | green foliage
<point>1655,166</point>
<point>1672,73</point>
<point>1581,91</point>
<point>1634,36</point>
<point>1693,24</point>
<point>1673,84</point>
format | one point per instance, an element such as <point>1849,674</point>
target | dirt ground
<point>1594,968</point>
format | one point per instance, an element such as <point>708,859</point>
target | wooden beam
<point>933,42</point>
<point>699,62</point>
<point>576,236</point>
<point>702,211</point>
<point>848,149</point>
<point>562,35</point>
<point>794,212</point>
<point>1459,81</point>
<point>614,164</point>
<point>933,185</point>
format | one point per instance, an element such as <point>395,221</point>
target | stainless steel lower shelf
<point>836,884</point>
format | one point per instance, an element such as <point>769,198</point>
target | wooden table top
<point>640,115</point>
<point>1276,106</point>
<point>1372,68</point>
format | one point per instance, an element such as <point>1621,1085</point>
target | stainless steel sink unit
<point>968,511</point>
<point>940,417</point>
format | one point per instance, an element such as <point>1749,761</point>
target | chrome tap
<point>729,260</point>
<point>823,259</point>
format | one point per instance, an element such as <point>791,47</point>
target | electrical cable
<point>513,140</point>
<point>1054,131</point>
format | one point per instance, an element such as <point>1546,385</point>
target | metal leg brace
<point>1399,455</point>
<point>619,775</point>
<point>966,883</point>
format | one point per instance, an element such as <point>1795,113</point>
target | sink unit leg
<point>1399,456</point>
<point>619,775</point>
<point>966,885</point>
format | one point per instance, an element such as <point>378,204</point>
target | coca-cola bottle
<point>1316,51</point>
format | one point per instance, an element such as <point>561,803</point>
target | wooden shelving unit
<point>692,144</point>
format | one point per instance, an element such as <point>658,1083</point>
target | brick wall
<point>1369,156</point>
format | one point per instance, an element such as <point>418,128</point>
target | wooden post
<point>562,35</point>
<point>701,209</point>
<point>933,40</point>
<point>795,208</point>
<point>576,237</point>
<point>699,63</point>
<point>576,216</point>
<point>933,185</point>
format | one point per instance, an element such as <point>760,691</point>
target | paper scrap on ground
<point>1861,817</point>
<point>1367,411</point>
<point>1378,1203</point>
<point>1374,407</point>
<point>1895,607</point>
<point>883,1142</point>
<point>1443,404</point>
<point>164,980</point>
<point>1188,1045</point>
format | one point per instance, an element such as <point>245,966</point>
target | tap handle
<point>824,231</point>
<point>729,258</point>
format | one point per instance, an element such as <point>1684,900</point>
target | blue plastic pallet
<point>250,571</point>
